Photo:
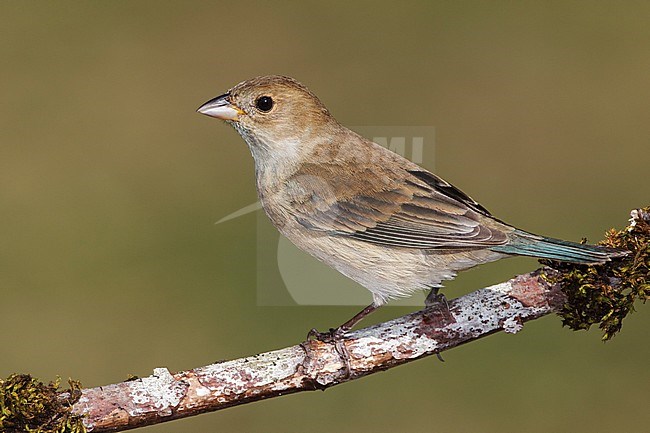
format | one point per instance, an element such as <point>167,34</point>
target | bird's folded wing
<point>408,209</point>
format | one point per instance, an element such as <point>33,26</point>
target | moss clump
<point>30,406</point>
<point>605,294</point>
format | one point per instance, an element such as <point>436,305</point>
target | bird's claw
<point>330,336</point>
<point>434,298</point>
<point>335,336</point>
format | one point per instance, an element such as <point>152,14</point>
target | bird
<point>387,223</point>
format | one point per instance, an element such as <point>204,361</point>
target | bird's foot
<point>436,299</point>
<point>335,336</point>
<point>326,337</point>
<point>437,308</point>
<point>437,302</point>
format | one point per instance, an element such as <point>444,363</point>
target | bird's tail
<point>528,244</point>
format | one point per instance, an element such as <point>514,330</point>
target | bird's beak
<point>221,108</point>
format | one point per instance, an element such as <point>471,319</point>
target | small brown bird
<point>383,221</point>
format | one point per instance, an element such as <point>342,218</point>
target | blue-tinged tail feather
<point>527,244</point>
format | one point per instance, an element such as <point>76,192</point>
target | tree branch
<point>314,364</point>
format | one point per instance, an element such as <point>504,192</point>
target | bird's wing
<point>402,208</point>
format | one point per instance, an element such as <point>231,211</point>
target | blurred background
<point>110,185</point>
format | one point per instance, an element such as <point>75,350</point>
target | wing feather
<point>411,209</point>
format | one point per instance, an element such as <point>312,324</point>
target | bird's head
<point>276,115</point>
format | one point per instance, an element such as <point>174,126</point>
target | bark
<point>312,364</point>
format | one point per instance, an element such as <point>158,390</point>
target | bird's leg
<point>337,333</point>
<point>356,319</point>
<point>434,298</point>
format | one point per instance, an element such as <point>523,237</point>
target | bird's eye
<point>264,103</point>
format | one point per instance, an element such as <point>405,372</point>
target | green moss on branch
<point>606,294</point>
<point>29,406</point>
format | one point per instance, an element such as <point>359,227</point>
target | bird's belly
<point>387,272</point>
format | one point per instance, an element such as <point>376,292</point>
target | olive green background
<point>110,184</point>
